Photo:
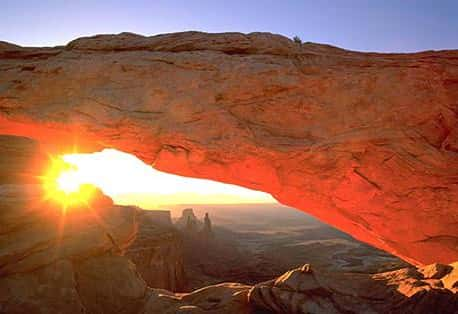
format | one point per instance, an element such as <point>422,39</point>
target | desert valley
<point>254,243</point>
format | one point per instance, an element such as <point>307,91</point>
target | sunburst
<point>63,184</point>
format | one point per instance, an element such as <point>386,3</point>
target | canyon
<point>366,142</point>
<point>253,243</point>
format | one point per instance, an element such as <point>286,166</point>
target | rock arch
<point>366,142</point>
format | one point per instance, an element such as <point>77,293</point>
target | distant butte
<point>366,142</point>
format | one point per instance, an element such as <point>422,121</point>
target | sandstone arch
<point>366,142</point>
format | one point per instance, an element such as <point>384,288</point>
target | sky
<point>129,181</point>
<point>384,25</point>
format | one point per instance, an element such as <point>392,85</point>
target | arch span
<point>366,142</point>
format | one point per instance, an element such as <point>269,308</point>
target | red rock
<point>365,142</point>
<point>436,271</point>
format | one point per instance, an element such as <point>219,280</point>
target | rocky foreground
<point>53,261</point>
<point>74,263</point>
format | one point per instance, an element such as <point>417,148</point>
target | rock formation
<point>366,142</point>
<point>432,289</point>
<point>188,222</point>
<point>20,160</point>
<point>157,251</point>
<point>198,230</point>
<point>54,261</point>
<point>207,231</point>
<point>157,217</point>
<point>187,217</point>
<point>190,225</point>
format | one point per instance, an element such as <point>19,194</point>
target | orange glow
<point>63,184</point>
<point>129,181</point>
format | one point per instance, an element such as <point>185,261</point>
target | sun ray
<point>63,184</point>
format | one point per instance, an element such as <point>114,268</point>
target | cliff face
<point>365,142</point>
<point>157,251</point>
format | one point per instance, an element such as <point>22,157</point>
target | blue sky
<point>387,25</point>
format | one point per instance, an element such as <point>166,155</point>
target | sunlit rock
<point>365,142</point>
<point>306,290</point>
<point>225,298</point>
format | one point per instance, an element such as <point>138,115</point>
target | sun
<point>62,183</point>
<point>81,179</point>
<point>68,182</point>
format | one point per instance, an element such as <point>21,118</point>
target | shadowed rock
<point>36,233</point>
<point>207,231</point>
<point>157,251</point>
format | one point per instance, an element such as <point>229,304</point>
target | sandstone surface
<point>366,142</point>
